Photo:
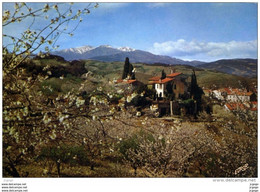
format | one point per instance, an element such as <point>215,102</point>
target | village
<point>179,94</point>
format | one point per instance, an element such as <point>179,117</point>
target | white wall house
<point>218,94</point>
<point>232,95</point>
<point>177,81</point>
<point>160,88</point>
<point>238,98</point>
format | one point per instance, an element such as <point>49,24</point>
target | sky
<point>188,31</point>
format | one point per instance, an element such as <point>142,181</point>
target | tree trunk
<point>58,167</point>
<point>92,167</point>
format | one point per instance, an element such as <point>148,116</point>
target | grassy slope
<point>65,85</point>
<point>241,67</point>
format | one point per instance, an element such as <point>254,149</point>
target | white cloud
<point>206,50</point>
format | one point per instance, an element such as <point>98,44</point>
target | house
<point>160,85</point>
<point>219,94</point>
<point>233,95</point>
<point>237,95</point>
<point>174,81</point>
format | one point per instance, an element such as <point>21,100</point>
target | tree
<point>28,120</point>
<point>195,91</point>
<point>128,70</point>
<point>169,91</point>
<point>128,148</point>
<point>163,76</point>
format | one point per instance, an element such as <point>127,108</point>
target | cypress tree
<point>195,91</point>
<point>163,76</point>
<point>126,68</point>
<point>194,85</point>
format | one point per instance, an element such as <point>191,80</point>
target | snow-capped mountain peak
<point>109,53</point>
<point>79,50</point>
<point>126,49</point>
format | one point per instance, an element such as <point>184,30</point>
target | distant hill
<point>240,67</point>
<point>107,53</point>
<point>57,65</point>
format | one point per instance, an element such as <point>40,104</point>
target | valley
<point>80,122</point>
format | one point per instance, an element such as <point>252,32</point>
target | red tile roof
<point>165,80</point>
<point>161,81</point>
<point>253,109</point>
<point>235,106</point>
<point>168,78</point>
<point>155,78</point>
<point>237,92</point>
<point>129,81</point>
<point>173,75</point>
<point>229,107</point>
<point>239,106</point>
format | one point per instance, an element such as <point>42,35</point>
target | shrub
<point>71,77</point>
<point>137,101</point>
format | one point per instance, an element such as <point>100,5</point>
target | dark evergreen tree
<point>195,92</point>
<point>193,85</point>
<point>163,76</point>
<point>128,69</point>
<point>169,91</point>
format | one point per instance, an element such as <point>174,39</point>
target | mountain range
<point>106,53</point>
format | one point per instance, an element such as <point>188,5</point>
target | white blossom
<point>46,119</point>
<point>53,134</point>
<point>79,101</point>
